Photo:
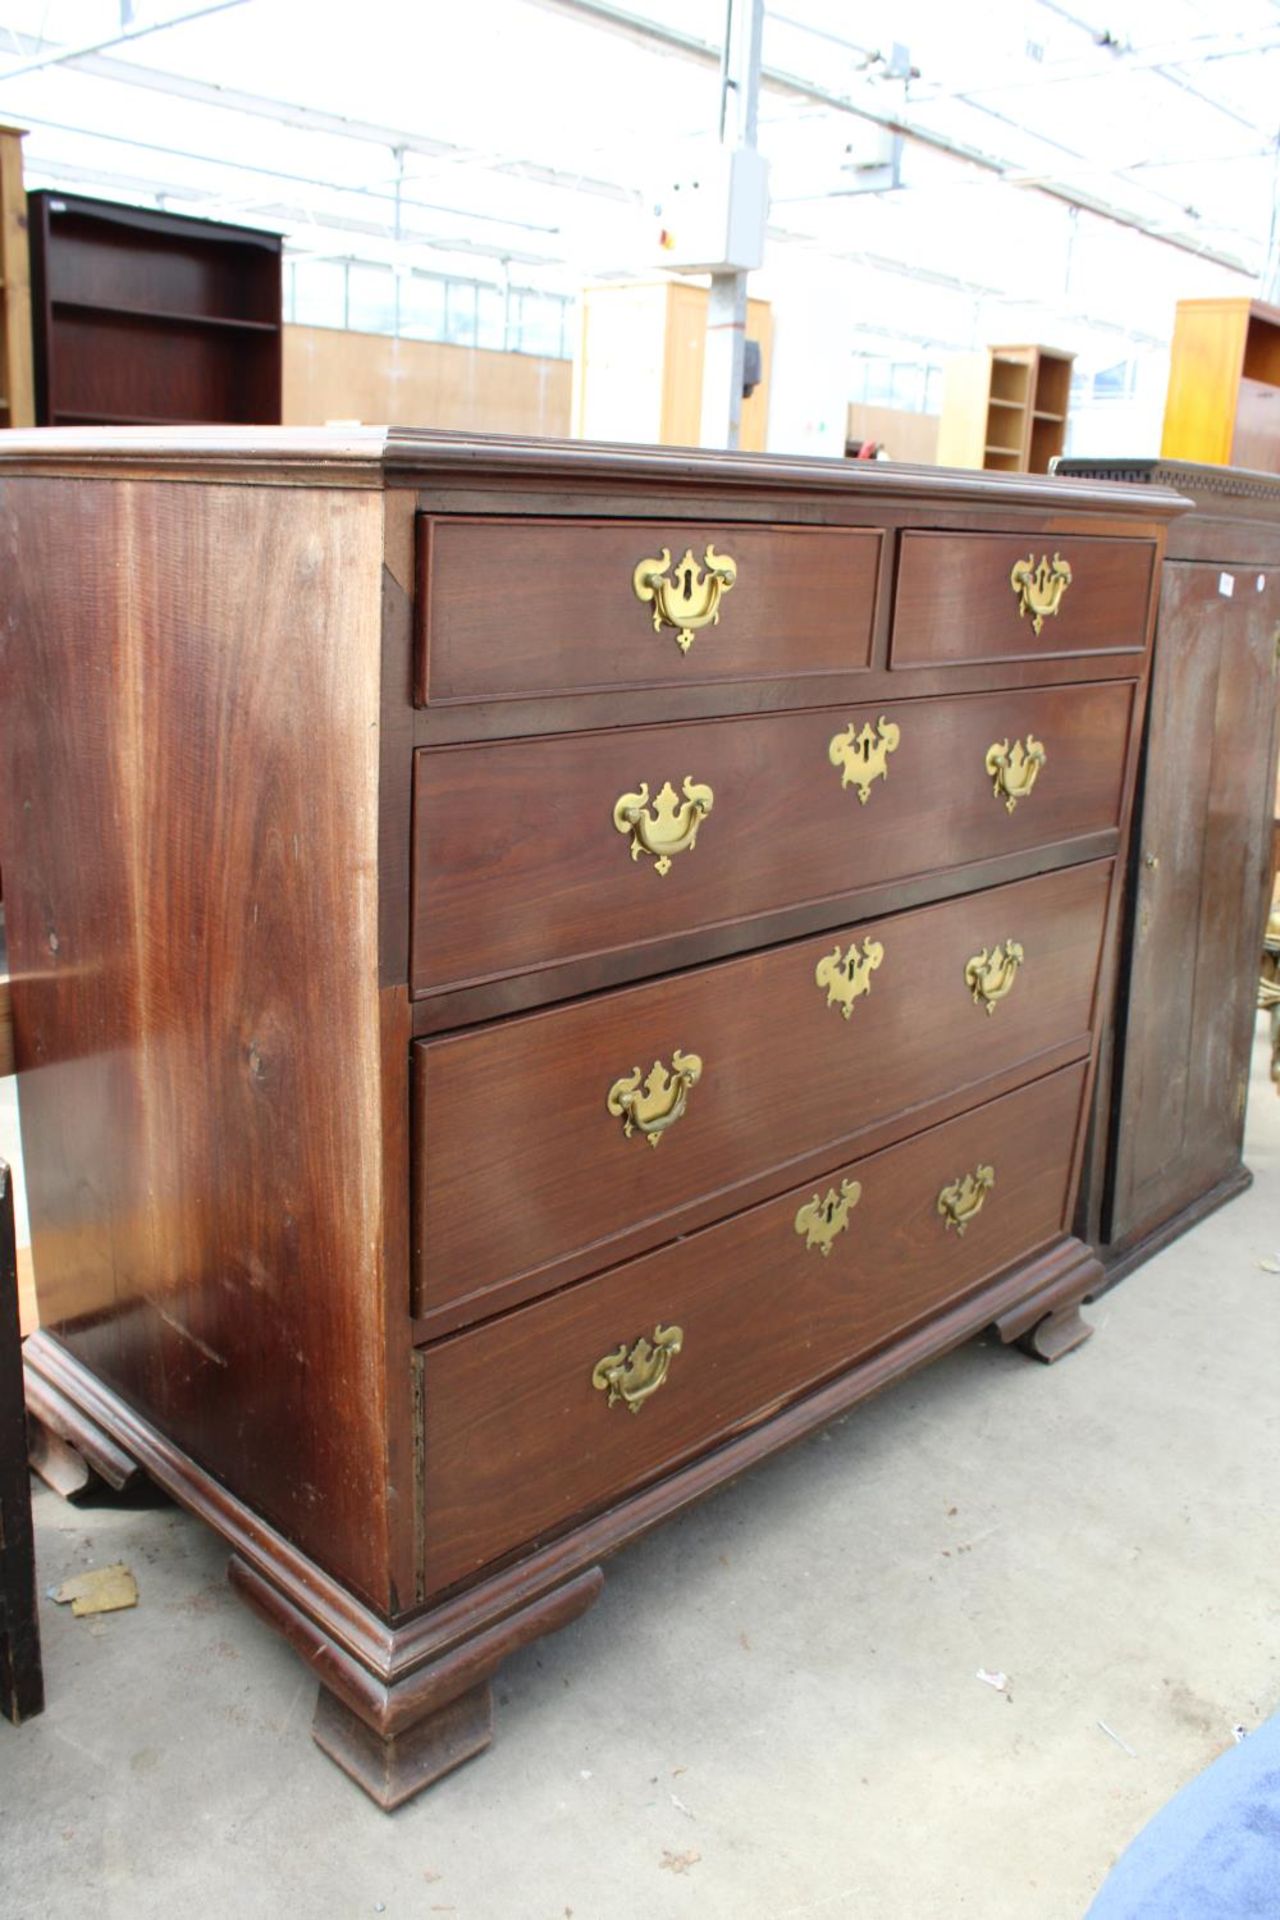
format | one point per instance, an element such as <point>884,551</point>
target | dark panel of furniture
<point>21,1676</point>
<point>445,1157</point>
<point>1169,1119</point>
<point>145,318</point>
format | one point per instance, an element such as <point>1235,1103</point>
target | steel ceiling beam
<point>605,15</point>
<point>63,56</point>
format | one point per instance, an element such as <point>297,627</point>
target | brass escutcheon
<point>863,757</point>
<point>670,827</point>
<point>990,974</point>
<point>1040,588</point>
<point>1013,769</point>
<point>690,597</point>
<point>847,976</point>
<point>962,1201</point>
<point>632,1376</point>
<point>655,1101</point>
<point>819,1220</point>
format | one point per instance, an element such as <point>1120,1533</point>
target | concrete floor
<point>774,1709</point>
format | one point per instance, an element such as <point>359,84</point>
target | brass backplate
<point>687,596</point>
<point>820,1220</point>
<point>630,1376</point>
<point>667,826</point>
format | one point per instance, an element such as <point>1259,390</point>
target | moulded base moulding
<point>403,1702</point>
<point>1120,1261</point>
<point>392,1771</point>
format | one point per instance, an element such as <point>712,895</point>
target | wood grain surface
<point>954,600</point>
<point>520,1164</point>
<point>518,863</point>
<point>517,1438</point>
<point>512,607</point>
<point>188,817</point>
<point>1199,899</point>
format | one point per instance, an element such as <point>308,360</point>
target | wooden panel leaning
<point>365,1055</point>
<point>1168,1134</point>
<point>21,1674</point>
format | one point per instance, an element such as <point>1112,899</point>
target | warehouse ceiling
<point>949,173</point>
<point>535,131</point>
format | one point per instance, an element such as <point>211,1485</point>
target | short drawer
<point>966,597</point>
<point>558,1409</point>
<point>531,852</point>
<point>515,608</point>
<point>542,1140</point>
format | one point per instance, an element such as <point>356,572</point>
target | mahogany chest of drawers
<point>541,974</point>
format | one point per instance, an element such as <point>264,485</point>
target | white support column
<point>727,307</point>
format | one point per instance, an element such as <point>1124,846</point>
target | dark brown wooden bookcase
<point>145,318</point>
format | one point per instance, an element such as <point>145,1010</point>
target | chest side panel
<point>188,825</point>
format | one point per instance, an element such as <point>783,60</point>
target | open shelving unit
<point>1005,410</point>
<point>1223,402</point>
<point>151,319</point>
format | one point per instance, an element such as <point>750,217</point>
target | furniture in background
<point>637,374</point>
<point>146,319</point>
<point>1269,990</point>
<point>17,381</point>
<point>1223,402</point>
<point>1169,1113</point>
<point>21,1676</point>
<point>1005,409</point>
<point>904,436</point>
<point>593,974</point>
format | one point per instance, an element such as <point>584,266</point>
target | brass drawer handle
<point>962,1201</point>
<point>689,598</point>
<point>990,974</point>
<point>1013,769</point>
<point>654,1101</point>
<point>1040,588</point>
<point>863,757</point>
<point>669,828</point>
<point>847,976</point>
<point>632,1376</point>
<point>819,1221</point>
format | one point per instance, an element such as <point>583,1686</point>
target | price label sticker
<point>1226,585</point>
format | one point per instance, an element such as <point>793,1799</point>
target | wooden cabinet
<point>151,318</point>
<point>638,370</point>
<point>1169,1120</point>
<point>17,378</point>
<point>542,974</point>
<point>1005,409</point>
<point>1223,402</point>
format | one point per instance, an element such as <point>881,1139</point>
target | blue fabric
<point>1214,1852</point>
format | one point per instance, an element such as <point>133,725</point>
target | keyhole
<point>687,588</point>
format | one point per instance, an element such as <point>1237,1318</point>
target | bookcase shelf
<point>148,319</point>
<point>1005,409</point>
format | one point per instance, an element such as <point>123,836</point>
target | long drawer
<point>513,608</point>
<point>553,1411</point>
<point>965,597</point>
<point>542,1139</point>
<point>531,852</point>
